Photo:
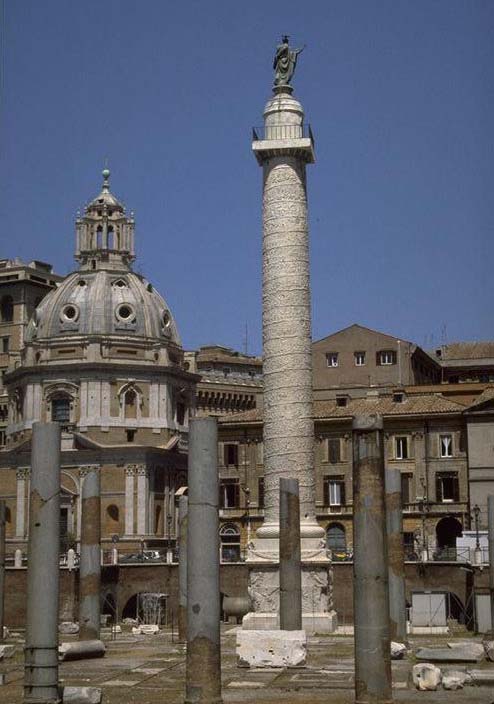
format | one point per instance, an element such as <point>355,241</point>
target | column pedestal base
<point>318,615</point>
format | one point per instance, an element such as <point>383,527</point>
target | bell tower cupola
<point>104,233</point>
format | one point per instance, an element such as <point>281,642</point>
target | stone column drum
<point>283,149</point>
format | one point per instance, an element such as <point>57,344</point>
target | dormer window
<point>341,401</point>
<point>385,357</point>
<point>398,397</point>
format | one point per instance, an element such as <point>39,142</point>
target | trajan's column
<point>283,147</point>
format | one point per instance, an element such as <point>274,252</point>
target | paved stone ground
<point>151,669</point>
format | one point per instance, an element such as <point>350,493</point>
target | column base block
<point>312,623</point>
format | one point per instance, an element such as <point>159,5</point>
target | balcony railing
<point>278,132</point>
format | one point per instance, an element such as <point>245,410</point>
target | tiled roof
<point>467,350</point>
<point>418,404</point>
<point>486,395</point>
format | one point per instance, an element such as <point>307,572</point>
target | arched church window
<point>230,543</point>
<point>7,309</point>
<point>99,238</point>
<point>112,512</point>
<point>60,410</point>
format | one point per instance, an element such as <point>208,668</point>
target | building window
<point>5,344</point>
<point>446,445</point>
<point>336,540</point>
<point>260,492</point>
<point>60,410</point>
<point>334,491</point>
<point>406,489</point>
<point>130,435</point>
<point>230,543</point>
<point>332,359</point>
<point>409,545</point>
<point>401,447</point>
<point>229,493</point>
<point>3,438</point>
<point>7,309</point>
<point>359,358</point>
<point>230,455</point>
<point>385,357</point>
<point>447,487</point>
<point>334,450</point>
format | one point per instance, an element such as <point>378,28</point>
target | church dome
<point>103,302</point>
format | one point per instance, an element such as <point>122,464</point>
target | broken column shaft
<point>203,666</point>
<point>370,566</point>
<point>41,651</point>
<point>290,565</point>
<point>90,561</point>
<point>182,569</point>
<point>396,556</point>
<point>2,566</point>
<point>490,514</point>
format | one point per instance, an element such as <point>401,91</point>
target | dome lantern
<point>104,233</point>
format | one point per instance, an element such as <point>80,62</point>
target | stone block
<point>482,677</point>
<point>271,648</point>
<point>398,650</point>
<point>426,676</point>
<point>81,695</point>
<point>68,628</point>
<point>7,651</point>
<point>145,630</point>
<point>448,655</point>
<point>476,649</point>
<point>454,679</point>
<point>81,650</point>
<point>489,649</point>
<point>313,623</point>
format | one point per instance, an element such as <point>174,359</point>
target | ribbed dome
<point>103,303</point>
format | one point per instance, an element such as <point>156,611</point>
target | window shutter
<point>221,453</point>
<point>236,500</point>
<point>343,450</point>
<point>411,447</point>
<point>378,359</point>
<point>456,489</point>
<point>325,450</point>
<point>393,356</point>
<point>438,488</point>
<point>343,498</point>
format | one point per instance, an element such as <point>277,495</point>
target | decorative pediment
<point>61,388</point>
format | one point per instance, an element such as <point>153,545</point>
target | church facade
<point>103,357</point>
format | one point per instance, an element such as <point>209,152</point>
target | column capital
<point>86,468</point>
<point>139,469</point>
<point>23,472</point>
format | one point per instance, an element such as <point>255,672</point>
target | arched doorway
<point>448,530</point>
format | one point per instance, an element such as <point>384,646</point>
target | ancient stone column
<point>396,556</point>
<point>370,565</point>
<point>90,564</point>
<point>290,565</point>
<point>283,148</point>
<point>182,569</point>
<point>2,565</point>
<point>41,651</point>
<point>490,523</point>
<point>203,663</point>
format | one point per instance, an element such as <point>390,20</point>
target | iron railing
<point>277,132</point>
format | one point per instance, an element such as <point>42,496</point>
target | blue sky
<point>400,96</point>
